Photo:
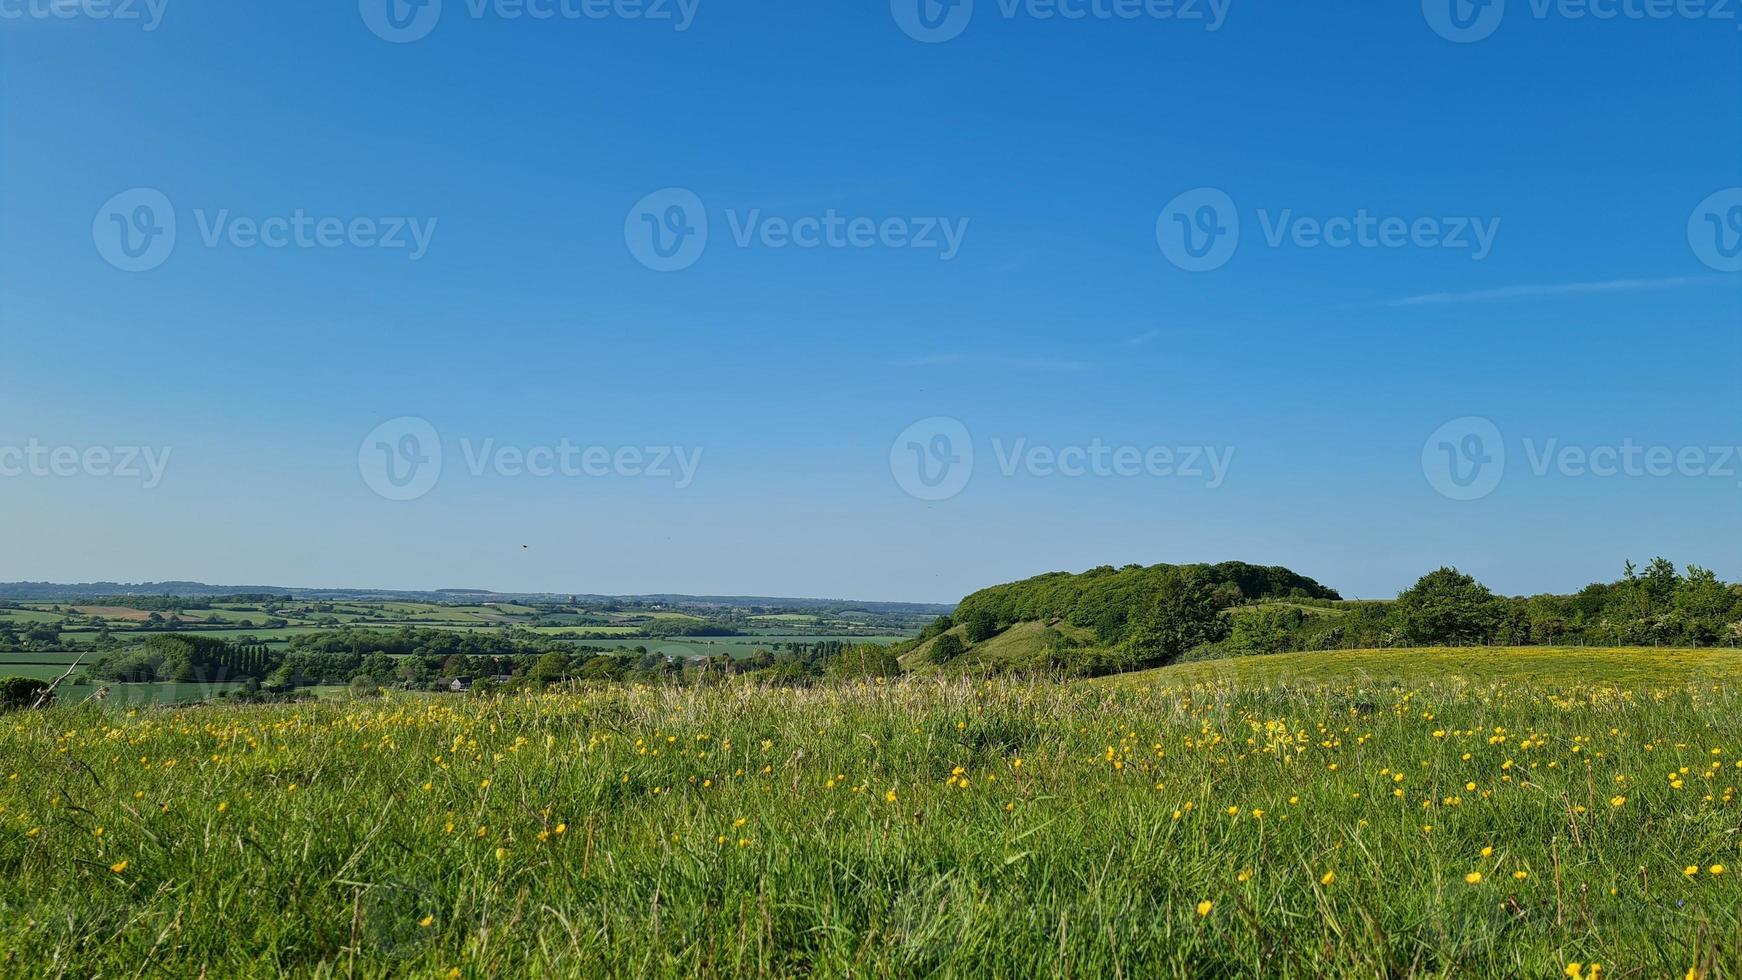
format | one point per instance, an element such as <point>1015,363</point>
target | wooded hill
<point>1105,599</point>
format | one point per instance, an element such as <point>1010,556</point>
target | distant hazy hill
<point>55,592</point>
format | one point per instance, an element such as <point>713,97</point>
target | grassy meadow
<point>1492,812</point>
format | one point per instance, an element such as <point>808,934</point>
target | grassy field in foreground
<point>1393,813</point>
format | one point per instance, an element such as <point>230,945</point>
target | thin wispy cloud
<point>1536,290</point>
<point>1143,338</point>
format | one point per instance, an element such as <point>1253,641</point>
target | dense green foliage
<point>23,692</point>
<point>1184,612</point>
<point>1147,616</point>
<point>411,640</point>
<point>1657,607</point>
<point>1106,599</point>
<point>186,659</point>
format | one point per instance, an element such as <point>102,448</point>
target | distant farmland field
<point>734,646</point>
<point>112,612</point>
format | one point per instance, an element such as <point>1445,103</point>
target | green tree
<point>862,661</point>
<point>980,625</point>
<point>1182,613</point>
<point>551,667</point>
<point>1447,606</point>
<point>947,648</point>
<point>1267,629</point>
<point>378,666</point>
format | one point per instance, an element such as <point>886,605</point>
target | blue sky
<point>1056,147</point>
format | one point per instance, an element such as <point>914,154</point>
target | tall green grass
<point>1332,824</point>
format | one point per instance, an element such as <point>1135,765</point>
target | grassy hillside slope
<point>1022,645</point>
<point>1619,666</point>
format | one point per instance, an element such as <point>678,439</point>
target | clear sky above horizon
<point>930,233</point>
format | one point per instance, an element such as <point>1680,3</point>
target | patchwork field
<point>39,639</point>
<point>738,647</point>
<point>1494,812</point>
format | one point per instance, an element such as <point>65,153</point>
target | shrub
<point>22,692</point>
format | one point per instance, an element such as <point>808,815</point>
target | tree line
<point>1658,605</point>
<point>1144,617</point>
<point>414,658</point>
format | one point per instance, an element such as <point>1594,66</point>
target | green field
<point>30,665</point>
<point>43,671</point>
<point>739,647</point>
<point>41,657</point>
<point>20,616</point>
<point>605,630</point>
<point>1494,812</point>
<point>140,695</point>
